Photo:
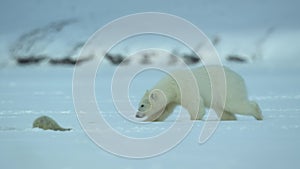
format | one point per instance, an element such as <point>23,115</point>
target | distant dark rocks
<point>30,60</point>
<point>69,61</point>
<point>53,61</point>
<point>190,59</point>
<point>116,59</point>
<point>63,61</point>
<point>237,59</point>
<point>146,59</point>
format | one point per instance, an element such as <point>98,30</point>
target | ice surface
<point>28,92</point>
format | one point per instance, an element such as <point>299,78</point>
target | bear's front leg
<point>168,110</point>
<point>226,116</point>
<point>196,114</point>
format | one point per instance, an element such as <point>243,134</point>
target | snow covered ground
<point>29,92</point>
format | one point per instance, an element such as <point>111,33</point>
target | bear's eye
<point>142,105</point>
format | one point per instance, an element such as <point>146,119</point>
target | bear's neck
<point>169,87</point>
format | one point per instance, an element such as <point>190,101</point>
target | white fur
<point>179,89</point>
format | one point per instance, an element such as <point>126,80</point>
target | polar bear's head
<point>152,105</point>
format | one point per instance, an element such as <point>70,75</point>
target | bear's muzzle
<point>139,115</point>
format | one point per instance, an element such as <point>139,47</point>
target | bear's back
<point>233,82</point>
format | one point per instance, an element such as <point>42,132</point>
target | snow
<point>29,92</point>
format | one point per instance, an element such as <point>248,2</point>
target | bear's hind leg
<point>249,108</point>
<point>257,112</point>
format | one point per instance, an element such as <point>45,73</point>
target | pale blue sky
<point>208,14</point>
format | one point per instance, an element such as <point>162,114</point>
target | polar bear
<point>159,102</point>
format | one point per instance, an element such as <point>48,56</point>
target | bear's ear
<point>156,95</point>
<point>153,95</point>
